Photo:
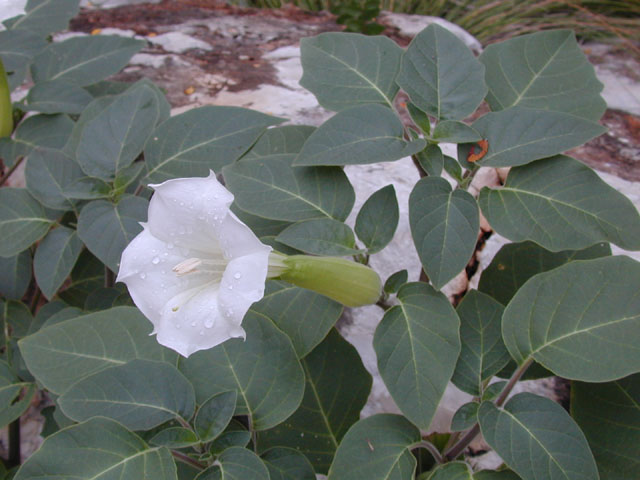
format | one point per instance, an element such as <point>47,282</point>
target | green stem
<point>433,450</point>
<point>187,459</point>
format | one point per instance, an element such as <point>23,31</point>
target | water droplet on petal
<point>230,287</point>
<point>177,325</point>
<point>143,275</point>
<point>202,332</point>
<point>193,324</point>
<point>155,260</point>
<point>181,230</point>
<point>208,323</point>
<point>237,275</point>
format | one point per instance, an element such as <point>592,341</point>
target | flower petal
<point>237,239</point>
<point>188,211</point>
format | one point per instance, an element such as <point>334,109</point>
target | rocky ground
<point>204,52</point>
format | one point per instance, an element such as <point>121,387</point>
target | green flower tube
<point>6,111</point>
<point>349,283</point>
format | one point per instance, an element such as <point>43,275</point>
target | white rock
<point>178,42</point>
<point>620,92</point>
<point>10,9</point>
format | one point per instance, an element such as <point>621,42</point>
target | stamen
<point>187,266</point>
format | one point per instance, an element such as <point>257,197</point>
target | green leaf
<point>337,387</point>
<point>235,435</point>
<point>465,417</point>
<point>84,60</point>
<point>16,275</point>
<point>515,263</point>
<point>175,437</point>
<point>444,225</point>
<point>48,131</point>
<point>104,298</point>
<point>320,236</point>
<point>280,141</point>
<point>202,139</point>
<point>362,134</point>
<point>57,96</point>
<point>378,219</point>
<point>580,320</point>
<point>106,229</point>
<point>54,259</point>
<point>483,353</point>
<point>452,167</point>
<point>111,140</point>
<point>441,75</point>
<point>23,221</point>
<point>18,316</point>
<point>51,175</point>
<point>140,394</point>
<point>62,315</point>
<point>45,16</point>
<point>417,345</point>
<point>376,448</point>
<point>395,281</point>
<point>17,48</point>
<point>561,204</point>
<point>537,438</point>
<point>214,415</point>
<point>520,135</point>
<point>264,369</point>
<point>546,70</point>
<point>347,69</point>
<point>609,416</point>
<point>86,276</point>
<point>12,404</point>
<point>431,160</point>
<point>64,353</point>
<point>495,475</point>
<point>451,471</point>
<point>236,463</point>
<point>305,316</point>
<point>451,131</point>
<point>270,188</point>
<point>420,118</point>
<point>98,449</point>
<point>287,464</point>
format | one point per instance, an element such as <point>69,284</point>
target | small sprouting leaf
<point>362,134</point>
<point>347,69</point>
<point>444,225</point>
<point>580,320</point>
<point>537,438</point>
<point>175,437</point>
<point>320,236</point>
<point>23,221</point>
<point>417,344</point>
<point>420,118</point>
<point>54,259</point>
<point>431,160</point>
<point>441,75</point>
<point>465,417</point>
<point>378,219</point>
<point>214,415</point>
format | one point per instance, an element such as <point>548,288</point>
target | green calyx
<point>349,283</point>
<point>6,111</point>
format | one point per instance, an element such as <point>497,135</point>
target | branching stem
<point>187,459</point>
<point>433,450</point>
<point>6,176</point>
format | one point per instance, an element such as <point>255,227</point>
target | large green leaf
<point>376,448</point>
<point>441,75</point>
<point>205,138</point>
<point>98,449</point>
<point>264,369</point>
<point>48,131</point>
<point>483,353</point>
<point>561,204</point>
<point>378,218</point>
<point>347,69</point>
<point>362,134</point>
<point>305,316</point>
<point>451,471</point>
<point>270,188</point>
<point>546,70</point>
<point>214,415</point>
<point>280,141</point>
<point>515,263</point>
<point>22,221</point>
<point>64,353</point>
<point>417,344</point>
<point>53,178</point>
<point>84,60</point>
<point>16,275</point>
<point>287,464</point>
<point>236,463</point>
<point>54,259</point>
<point>57,96</point>
<point>520,135</point>
<point>609,416</point>
<point>337,387</point>
<point>444,225</point>
<point>45,16</point>
<point>12,404</point>
<point>17,48</point>
<point>107,228</point>
<point>111,140</point>
<point>538,439</point>
<point>581,320</point>
<point>320,236</point>
<point>140,394</point>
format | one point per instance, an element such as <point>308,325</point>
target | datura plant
<point>223,232</point>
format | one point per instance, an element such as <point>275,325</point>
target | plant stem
<point>187,459</point>
<point>6,176</point>
<point>109,278</point>
<point>464,442</point>
<point>433,450</point>
<point>254,435</point>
